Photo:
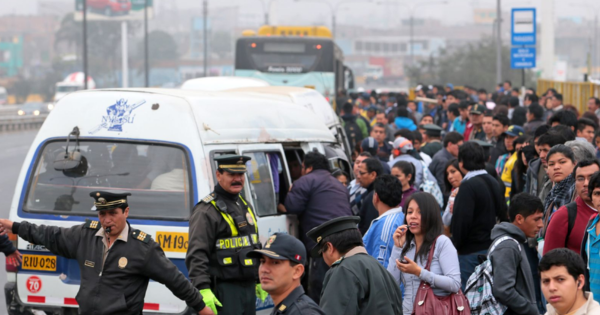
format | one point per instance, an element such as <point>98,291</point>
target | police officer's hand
<point>260,293</point>
<point>400,236</point>
<point>210,300</point>
<point>206,311</point>
<point>5,226</point>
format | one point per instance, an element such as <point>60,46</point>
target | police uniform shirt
<point>113,281</point>
<point>297,303</point>
<point>122,237</point>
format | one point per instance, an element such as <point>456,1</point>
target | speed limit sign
<point>34,284</point>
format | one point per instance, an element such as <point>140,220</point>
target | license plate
<point>173,241</point>
<point>39,262</point>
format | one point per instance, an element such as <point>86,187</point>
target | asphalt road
<point>12,153</point>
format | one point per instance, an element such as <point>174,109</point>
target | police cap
<point>282,246</point>
<point>484,144</point>
<point>331,227</point>
<point>433,130</point>
<point>106,200</point>
<point>232,163</point>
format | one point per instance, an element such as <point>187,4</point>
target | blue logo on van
<point>117,115</point>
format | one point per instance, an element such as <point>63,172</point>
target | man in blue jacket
<point>316,198</point>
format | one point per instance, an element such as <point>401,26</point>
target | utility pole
<point>333,24</point>
<point>595,56</point>
<point>412,35</point>
<point>124,56</point>
<point>205,35</point>
<point>146,52</point>
<point>498,42</point>
<point>85,61</point>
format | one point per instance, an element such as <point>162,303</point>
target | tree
<point>161,46</point>
<point>473,64</point>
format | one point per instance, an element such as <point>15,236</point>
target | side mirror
<point>72,164</point>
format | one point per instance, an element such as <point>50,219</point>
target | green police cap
<point>330,227</point>
<point>232,163</point>
<point>106,200</point>
<point>433,130</point>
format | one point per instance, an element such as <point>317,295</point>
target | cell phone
<point>404,261</point>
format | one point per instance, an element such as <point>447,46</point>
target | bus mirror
<point>72,164</point>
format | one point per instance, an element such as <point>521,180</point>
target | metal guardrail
<point>575,93</point>
<point>9,110</point>
<point>11,123</point>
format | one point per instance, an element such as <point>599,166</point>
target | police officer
<point>356,283</point>
<point>116,261</point>
<point>281,267</point>
<point>223,230</point>
<point>434,143</point>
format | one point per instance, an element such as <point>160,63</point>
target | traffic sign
<point>523,27</point>
<point>522,58</point>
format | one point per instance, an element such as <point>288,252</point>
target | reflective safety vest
<point>231,252</point>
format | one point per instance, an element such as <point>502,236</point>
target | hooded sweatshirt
<point>405,123</point>
<point>514,288</point>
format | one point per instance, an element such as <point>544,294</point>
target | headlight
<point>36,112</point>
<point>50,106</point>
<point>21,112</point>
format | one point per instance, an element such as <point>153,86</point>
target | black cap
<point>331,227</point>
<point>478,109</point>
<point>106,200</point>
<point>232,163</point>
<point>283,247</point>
<point>433,130</point>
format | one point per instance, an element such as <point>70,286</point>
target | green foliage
<point>473,64</point>
<point>161,46</point>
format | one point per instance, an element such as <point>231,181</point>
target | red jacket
<point>558,227</point>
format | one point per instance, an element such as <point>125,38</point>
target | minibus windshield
<point>157,176</point>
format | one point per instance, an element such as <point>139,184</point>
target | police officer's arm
<point>202,237</point>
<point>59,241</point>
<point>342,293</point>
<point>160,269</point>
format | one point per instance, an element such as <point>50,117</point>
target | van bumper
<point>15,306</point>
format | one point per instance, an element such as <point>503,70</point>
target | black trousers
<point>237,298</point>
<point>316,274</point>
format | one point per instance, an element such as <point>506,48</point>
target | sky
<point>311,12</point>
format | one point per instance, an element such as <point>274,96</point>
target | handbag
<point>427,303</point>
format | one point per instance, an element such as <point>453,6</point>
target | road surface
<point>14,148</point>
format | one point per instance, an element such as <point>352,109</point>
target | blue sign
<point>522,58</point>
<point>523,27</point>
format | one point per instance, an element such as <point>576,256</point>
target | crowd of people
<point>474,169</point>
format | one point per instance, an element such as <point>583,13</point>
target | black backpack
<point>353,132</point>
<point>572,210</point>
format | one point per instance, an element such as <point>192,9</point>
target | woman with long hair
<point>405,173</point>
<point>412,242</point>
<point>451,181</point>
<point>519,174</point>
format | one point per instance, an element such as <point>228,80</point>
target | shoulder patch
<point>141,236</point>
<point>209,198</point>
<point>92,224</point>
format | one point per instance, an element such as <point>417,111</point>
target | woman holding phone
<point>412,242</point>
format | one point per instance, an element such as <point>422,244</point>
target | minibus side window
<point>264,180</point>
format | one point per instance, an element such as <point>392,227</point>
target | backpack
<point>430,186</point>
<point>353,132</point>
<point>572,210</point>
<point>479,286</point>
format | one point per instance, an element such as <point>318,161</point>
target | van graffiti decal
<point>117,115</point>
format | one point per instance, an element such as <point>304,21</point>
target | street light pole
<point>146,53</point>
<point>333,27</point>
<point>499,42</point>
<point>85,59</point>
<point>333,10</point>
<point>205,35</point>
<point>412,34</point>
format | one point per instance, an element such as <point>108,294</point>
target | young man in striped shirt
<point>387,196</point>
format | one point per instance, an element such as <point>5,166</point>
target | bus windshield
<point>157,176</point>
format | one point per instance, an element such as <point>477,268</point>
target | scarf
<point>472,174</point>
<point>560,194</point>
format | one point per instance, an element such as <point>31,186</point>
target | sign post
<point>523,33</point>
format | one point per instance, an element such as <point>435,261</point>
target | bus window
<point>264,180</point>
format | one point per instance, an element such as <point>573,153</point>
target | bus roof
<point>221,83</point>
<point>311,31</point>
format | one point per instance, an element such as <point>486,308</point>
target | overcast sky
<point>298,12</point>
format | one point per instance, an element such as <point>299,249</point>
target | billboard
<point>113,10</point>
